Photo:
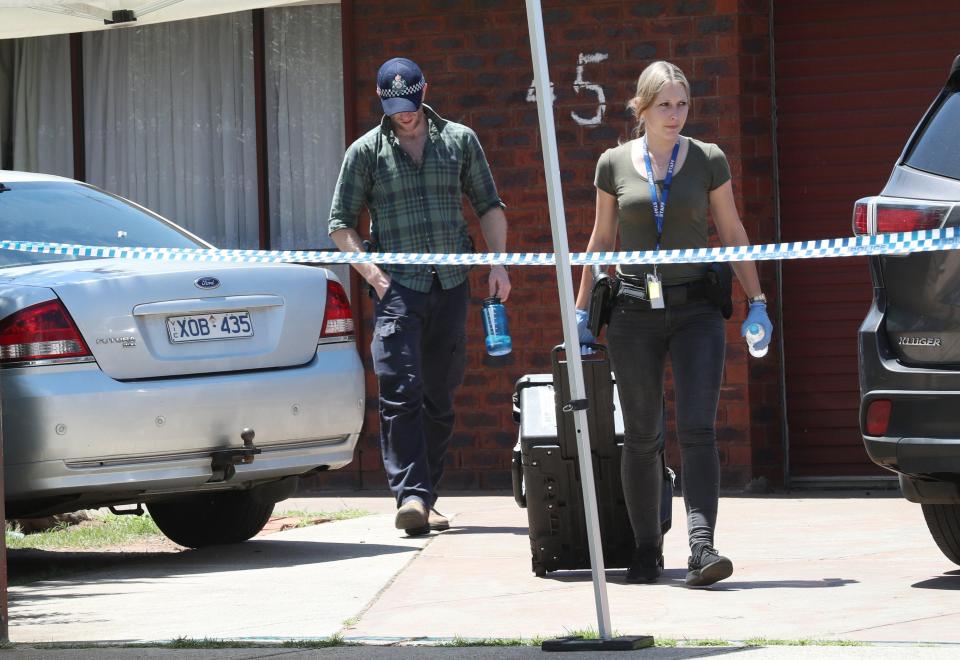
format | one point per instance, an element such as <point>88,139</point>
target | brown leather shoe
<point>438,521</point>
<point>412,517</point>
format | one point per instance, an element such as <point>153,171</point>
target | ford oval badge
<point>207,282</point>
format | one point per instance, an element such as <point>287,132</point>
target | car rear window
<point>66,212</point>
<point>937,150</point>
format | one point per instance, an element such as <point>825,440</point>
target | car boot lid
<point>150,319</point>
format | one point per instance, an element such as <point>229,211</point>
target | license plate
<point>203,327</point>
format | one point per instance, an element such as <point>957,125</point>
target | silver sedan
<point>202,390</point>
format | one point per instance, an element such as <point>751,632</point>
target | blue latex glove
<point>583,333</point>
<point>758,315</point>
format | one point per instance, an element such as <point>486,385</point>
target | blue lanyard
<point>659,205</point>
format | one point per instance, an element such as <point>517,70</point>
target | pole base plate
<point>578,643</point>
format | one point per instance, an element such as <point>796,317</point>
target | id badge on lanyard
<point>654,287</point>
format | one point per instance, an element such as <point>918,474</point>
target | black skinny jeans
<point>640,339</point>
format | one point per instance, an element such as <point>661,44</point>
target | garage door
<point>852,79</point>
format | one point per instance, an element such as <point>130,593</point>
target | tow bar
<point>223,461</point>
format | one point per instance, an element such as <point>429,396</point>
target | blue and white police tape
<point>882,244</point>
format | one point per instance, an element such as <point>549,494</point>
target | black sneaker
<point>647,564</point>
<point>707,566</point>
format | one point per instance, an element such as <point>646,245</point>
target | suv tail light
<point>41,332</point>
<point>860,225</point>
<point>880,215</point>
<point>337,318</point>
<point>878,417</point>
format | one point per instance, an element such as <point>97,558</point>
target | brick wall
<point>755,184</point>
<point>476,57</point>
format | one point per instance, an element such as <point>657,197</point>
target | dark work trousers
<point>640,339</point>
<point>419,356</point>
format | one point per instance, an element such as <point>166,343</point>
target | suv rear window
<point>937,150</point>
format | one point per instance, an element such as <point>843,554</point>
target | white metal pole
<point>558,223</point>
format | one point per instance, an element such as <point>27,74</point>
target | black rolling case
<point>546,471</point>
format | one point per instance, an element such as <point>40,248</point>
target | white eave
<point>11,176</point>
<point>34,18</point>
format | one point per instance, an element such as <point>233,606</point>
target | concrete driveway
<point>825,568</point>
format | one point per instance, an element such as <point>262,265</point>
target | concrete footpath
<point>855,568</point>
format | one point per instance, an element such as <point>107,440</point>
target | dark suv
<point>910,339</point>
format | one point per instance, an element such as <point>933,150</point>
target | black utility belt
<point>631,292</point>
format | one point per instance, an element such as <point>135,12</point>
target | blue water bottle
<point>495,325</point>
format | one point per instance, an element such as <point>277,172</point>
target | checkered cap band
<point>404,91</point>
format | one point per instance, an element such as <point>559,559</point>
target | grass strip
<point>108,530</point>
<point>308,517</point>
<point>492,641</point>
<point>663,642</point>
<point>763,641</point>
<point>186,643</point>
<point>207,643</point>
<point>462,642</point>
<point>102,530</point>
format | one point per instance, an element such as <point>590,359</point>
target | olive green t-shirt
<point>685,219</point>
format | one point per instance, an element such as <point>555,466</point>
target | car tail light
<point>879,215</point>
<point>878,417</point>
<point>41,332</point>
<point>860,226</point>
<point>337,319</point>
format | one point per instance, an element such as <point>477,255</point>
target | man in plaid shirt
<point>411,173</point>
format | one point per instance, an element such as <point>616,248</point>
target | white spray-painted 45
<point>580,84</point>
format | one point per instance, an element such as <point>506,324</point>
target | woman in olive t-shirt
<point>683,324</point>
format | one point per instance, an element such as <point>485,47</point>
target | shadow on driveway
<point>674,577</point>
<point>949,581</point>
<point>476,529</point>
<point>40,567</point>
